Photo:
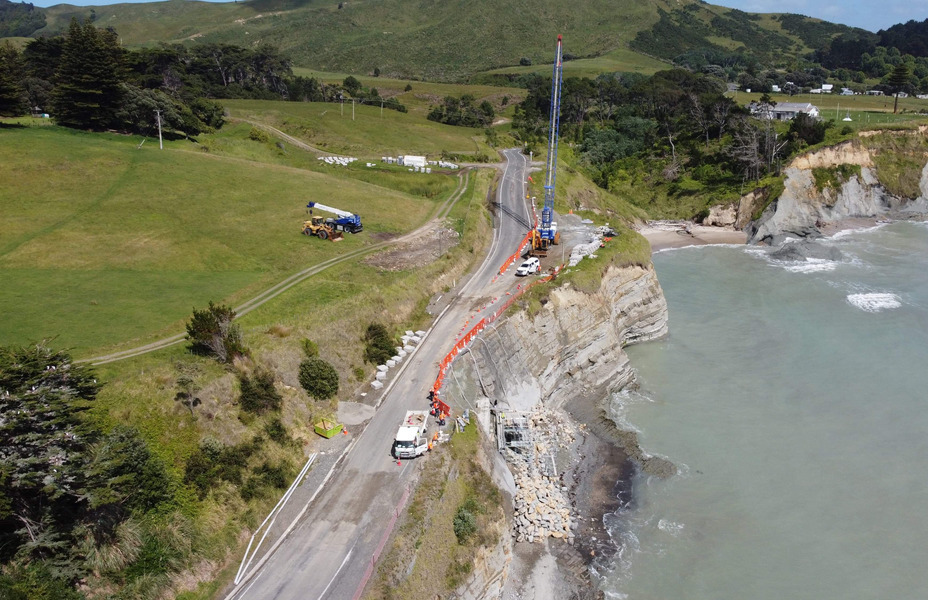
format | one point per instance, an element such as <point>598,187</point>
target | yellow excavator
<point>318,227</point>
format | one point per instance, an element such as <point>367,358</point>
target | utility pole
<point>352,109</point>
<point>343,107</point>
<point>381,108</point>
<point>158,117</point>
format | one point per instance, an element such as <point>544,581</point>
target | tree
<point>11,92</point>
<point>379,345</point>
<point>258,394</point>
<point>212,332</point>
<point>807,129</point>
<point>318,378</point>
<point>42,436</point>
<point>897,80</point>
<point>87,94</point>
<point>351,85</point>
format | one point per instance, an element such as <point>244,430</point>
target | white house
<point>827,88</point>
<point>775,89</point>
<point>783,111</point>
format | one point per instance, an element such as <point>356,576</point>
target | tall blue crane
<point>546,233</point>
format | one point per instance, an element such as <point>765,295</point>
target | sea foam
<point>874,302</point>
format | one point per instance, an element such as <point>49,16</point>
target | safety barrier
<point>480,326</point>
<point>518,253</point>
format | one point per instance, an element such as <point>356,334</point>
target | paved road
<point>328,553</point>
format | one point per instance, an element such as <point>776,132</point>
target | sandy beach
<point>679,234</point>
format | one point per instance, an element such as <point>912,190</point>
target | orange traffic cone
<point>398,461</point>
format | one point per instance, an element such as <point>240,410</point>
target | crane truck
<point>411,440</point>
<point>346,221</point>
<point>546,234</point>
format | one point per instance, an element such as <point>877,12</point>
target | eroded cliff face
<point>855,190</point>
<point>574,344</point>
<point>571,348</point>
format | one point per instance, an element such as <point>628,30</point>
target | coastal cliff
<point>573,345</point>
<point>880,174</point>
<point>565,358</point>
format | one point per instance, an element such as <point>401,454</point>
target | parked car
<point>529,267</point>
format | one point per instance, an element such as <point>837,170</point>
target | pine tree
<point>11,92</point>
<point>87,94</point>
<point>898,79</point>
<point>42,441</point>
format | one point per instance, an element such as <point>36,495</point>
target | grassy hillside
<point>426,39</point>
<point>117,243</point>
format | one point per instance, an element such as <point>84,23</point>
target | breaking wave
<point>874,302</point>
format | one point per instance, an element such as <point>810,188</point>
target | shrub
<point>259,135</point>
<point>277,432</point>
<point>258,394</point>
<point>379,345</point>
<point>408,87</point>
<point>318,378</point>
<point>310,348</point>
<point>465,525</point>
<point>213,461</point>
<point>212,332</point>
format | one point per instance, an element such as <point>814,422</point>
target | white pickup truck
<point>411,440</point>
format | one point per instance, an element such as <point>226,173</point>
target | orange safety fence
<point>470,335</point>
<point>518,253</point>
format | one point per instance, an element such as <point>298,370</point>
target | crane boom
<point>545,234</point>
<point>346,221</point>
<point>547,213</point>
<point>334,211</point>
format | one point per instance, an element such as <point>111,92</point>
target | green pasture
<point>152,22</point>
<point>865,110</point>
<point>105,244</point>
<point>330,127</point>
<point>620,60</point>
<point>424,94</point>
<point>333,308</point>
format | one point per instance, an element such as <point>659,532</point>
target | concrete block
<point>420,333</point>
<point>409,333</point>
<point>377,385</point>
<point>397,359</point>
<point>415,339</point>
<point>380,376</point>
<point>383,368</point>
<point>408,348</point>
<point>391,363</point>
<point>401,354</point>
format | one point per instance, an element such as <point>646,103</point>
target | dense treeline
<point>675,131</point>
<point>463,112</point>
<point>85,80</point>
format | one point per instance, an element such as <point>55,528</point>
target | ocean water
<point>794,399</point>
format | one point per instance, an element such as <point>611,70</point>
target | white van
<point>529,267</point>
